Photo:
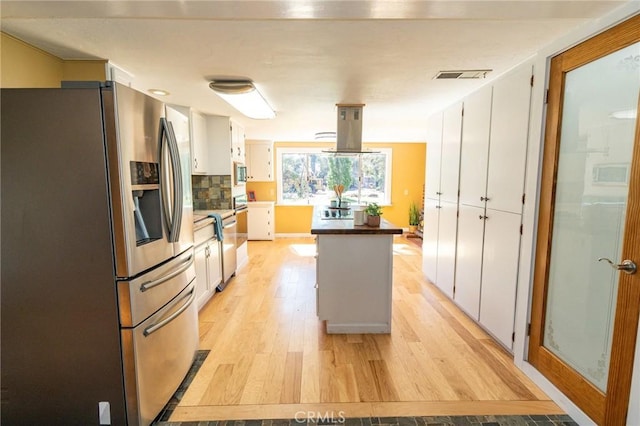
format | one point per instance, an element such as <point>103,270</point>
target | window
<point>306,176</point>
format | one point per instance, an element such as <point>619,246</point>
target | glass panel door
<point>585,308</point>
<point>597,137</point>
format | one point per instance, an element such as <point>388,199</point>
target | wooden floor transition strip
<point>363,409</point>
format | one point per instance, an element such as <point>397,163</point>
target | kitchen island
<point>354,274</point>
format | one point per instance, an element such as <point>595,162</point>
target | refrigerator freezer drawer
<point>144,295</point>
<point>157,356</point>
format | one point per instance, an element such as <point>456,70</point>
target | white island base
<point>354,282</point>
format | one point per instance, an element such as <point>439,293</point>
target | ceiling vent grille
<point>461,74</point>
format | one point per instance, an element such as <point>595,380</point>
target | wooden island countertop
<point>346,226</point>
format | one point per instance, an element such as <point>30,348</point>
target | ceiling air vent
<point>461,74</point>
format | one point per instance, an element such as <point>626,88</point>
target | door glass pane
<point>596,142</point>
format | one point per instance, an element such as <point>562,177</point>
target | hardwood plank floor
<point>271,358</point>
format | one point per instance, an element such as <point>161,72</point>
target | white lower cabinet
<point>201,274</point>
<point>446,261</point>
<point>469,260</point>
<point>261,220</point>
<point>439,243</point>
<point>207,263</point>
<point>354,276</point>
<point>500,274</point>
<point>430,239</point>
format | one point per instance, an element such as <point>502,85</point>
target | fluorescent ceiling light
<point>629,114</point>
<point>243,96</point>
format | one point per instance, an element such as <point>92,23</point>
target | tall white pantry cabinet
<point>441,201</point>
<point>488,210</point>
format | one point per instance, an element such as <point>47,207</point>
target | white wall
<point>534,163</point>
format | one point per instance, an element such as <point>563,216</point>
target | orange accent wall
<point>408,168</point>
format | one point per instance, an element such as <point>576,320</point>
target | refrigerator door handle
<point>177,183</point>
<point>166,210</point>
<point>172,207</point>
<point>157,326</point>
<point>151,284</point>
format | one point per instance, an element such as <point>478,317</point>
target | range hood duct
<point>349,133</point>
<point>349,130</point>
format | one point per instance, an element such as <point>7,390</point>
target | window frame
<point>388,152</point>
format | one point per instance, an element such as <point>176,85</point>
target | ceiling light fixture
<point>159,92</point>
<point>243,96</point>
<point>325,135</point>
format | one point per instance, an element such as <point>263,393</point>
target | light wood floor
<point>271,358</point>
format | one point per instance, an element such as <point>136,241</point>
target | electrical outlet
<point>406,192</point>
<point>104,412</point>
<point>272,192</point>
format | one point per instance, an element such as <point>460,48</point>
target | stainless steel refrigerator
<point>97,313</point>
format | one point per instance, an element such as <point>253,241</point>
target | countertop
<point>346,226</point>
<point>201,217</point>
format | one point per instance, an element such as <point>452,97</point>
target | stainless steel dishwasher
<point>229,233</point>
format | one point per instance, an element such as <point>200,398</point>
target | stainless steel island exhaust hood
<point>349,130</point>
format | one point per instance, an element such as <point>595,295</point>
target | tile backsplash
<point>211,192</point>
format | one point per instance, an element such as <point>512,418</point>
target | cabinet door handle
<point>484,198</point>
<point>481,217</point>
<point>195,161</point>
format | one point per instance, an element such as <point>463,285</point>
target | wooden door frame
<point>610,409</point>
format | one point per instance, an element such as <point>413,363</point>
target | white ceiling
<point>305,56</point>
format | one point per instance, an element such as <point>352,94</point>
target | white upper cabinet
<point>508,146</point>
<point>450,164</point>
<point>259,161</point>
<point>199,147</point>
<point>237,142</point>
<point>226,143</point>
<point>434,152</point>
<point>475,147</point>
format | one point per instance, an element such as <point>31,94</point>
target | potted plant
<point>373,212</point>
<point>414,217</point>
